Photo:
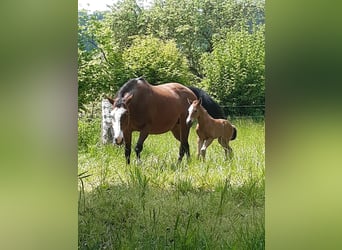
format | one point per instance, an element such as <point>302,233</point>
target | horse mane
<point>128,87</point>
<point>212,107</point>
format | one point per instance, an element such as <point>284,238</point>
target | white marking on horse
<point>190,110</point>
<point>117,114</point>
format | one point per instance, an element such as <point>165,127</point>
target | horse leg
<point>230,151</point>
<point>128,141</point>
<point>176,131</point>
<point>139,147</point>
<point>184,149</point>
<point>199,146</point>
<point>184,134</point>
<point>227,149</point>
<point>205,146</point>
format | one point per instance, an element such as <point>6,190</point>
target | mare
<point>140,106</point>
<point>209,129</point>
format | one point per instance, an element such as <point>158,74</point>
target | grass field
<point>158,204</point>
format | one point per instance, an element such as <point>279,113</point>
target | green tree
<point>128,20</point>
<point>100,64</point>
<point>194,23</point>
<point>235,70</point>
<point>158,61</point>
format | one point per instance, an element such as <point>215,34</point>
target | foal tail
<point>234,133</point>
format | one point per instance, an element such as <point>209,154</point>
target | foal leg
<point>205,146</point>
<point>139,147</point>
<point>227,149</point>
<point>199,146</point>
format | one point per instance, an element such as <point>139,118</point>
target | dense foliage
<point>217,45</point>
<point>161,62</point>
<point>235,70</point>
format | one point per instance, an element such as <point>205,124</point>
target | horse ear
<point>200,101</point>
<point>128,99</point>
<point>110,100</point>
<point>189,101</point>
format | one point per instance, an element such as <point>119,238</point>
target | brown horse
<point>209,129</point>
<point>139,106</point>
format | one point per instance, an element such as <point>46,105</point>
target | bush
<point>89,133</point>
<point>158,61</point>
<point>235,70</point>
<point>100,65</point>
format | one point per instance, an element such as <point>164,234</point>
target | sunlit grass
<point>161,204</point>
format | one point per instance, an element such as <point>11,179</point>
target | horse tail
<point>234,135</point>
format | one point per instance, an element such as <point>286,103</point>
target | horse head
<point>193,111</point>
<point>120,117</point>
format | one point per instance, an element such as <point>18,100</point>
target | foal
<point>209,129</point>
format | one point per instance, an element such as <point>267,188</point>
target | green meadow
<point>159,204</point>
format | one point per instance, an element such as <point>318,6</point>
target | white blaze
<point>117,114</point>
<point>190,110</point>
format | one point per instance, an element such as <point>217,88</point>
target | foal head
<point>193,111</point>
<point>120,117</point>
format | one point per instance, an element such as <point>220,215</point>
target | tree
<point>127,21</point>
<point>100,65</point>
<point>235,70</point>
<point>158,61</point>
<point>193,24</point>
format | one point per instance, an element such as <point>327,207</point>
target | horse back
<point>160,107</point>
<point>174,94</point>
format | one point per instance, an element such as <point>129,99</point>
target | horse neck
<point>204,117</point>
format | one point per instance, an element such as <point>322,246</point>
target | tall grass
<point>158,204</point>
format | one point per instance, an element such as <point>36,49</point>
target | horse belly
<point>160,126</point>
<point>213,132</point>
<point>202,133</point>
<point>169,107</point>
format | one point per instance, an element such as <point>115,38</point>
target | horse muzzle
<point>118,139</point>
<point>188,122</point>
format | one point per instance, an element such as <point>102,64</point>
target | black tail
<point>234,135</point>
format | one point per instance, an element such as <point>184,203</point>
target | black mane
<point>208,103</point>
<point>128,87</point>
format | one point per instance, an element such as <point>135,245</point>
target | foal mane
<point>203,110</point>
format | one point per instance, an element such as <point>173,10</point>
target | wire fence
<point>244,111</point>
<point>94,111</point>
